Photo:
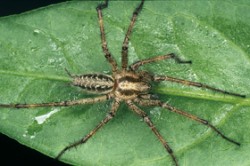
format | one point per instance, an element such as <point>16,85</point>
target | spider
<point>129,85</point>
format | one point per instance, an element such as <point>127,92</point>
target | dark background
<point>13,153</point>
<point>10,7</point>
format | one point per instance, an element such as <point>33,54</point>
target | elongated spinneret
<point>94,83</point>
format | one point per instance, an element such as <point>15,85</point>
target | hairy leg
<point>147,120</point>
<point>60,104</point>
<point>109,116</point>
<point>196,84</point>
<point>188,115</point>
<point>126,39</point>
<point>108,55</point>
<point>137,64</point>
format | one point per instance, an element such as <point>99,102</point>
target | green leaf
<point>35,47</point>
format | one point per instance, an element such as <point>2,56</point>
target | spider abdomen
<point>94,83</point>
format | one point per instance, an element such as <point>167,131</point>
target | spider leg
<point>147,120</point>
<point>196,84</point>
<point>148,96</point>
<point>188,115</point>
<point>137,64</point>
<point>126,39</point>
<point>108,117</point>
<point>60,104</point>
<point>68,72</point>
<point>108,55</point>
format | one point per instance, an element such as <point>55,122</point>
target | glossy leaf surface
<point>35,47</point>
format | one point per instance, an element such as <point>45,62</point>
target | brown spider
<point>128,85</point>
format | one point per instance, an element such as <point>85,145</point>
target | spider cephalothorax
<point>129,85</point>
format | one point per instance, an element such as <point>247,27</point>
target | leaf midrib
<point>197,94</point>
<point>35,75</point>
